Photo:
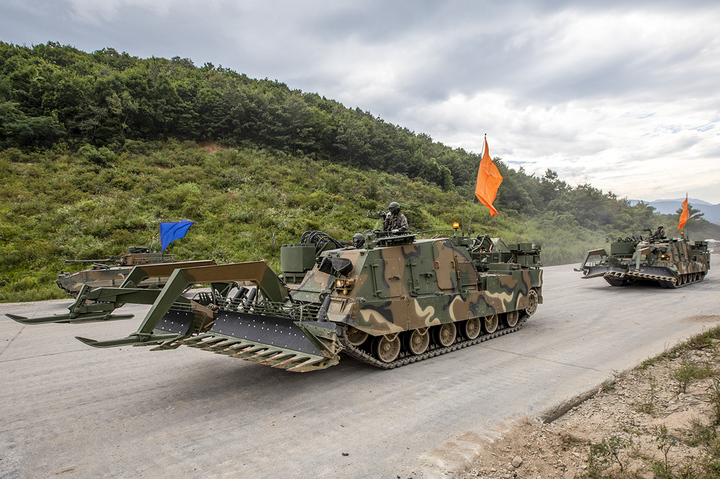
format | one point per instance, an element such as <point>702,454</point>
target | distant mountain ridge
<point>669,207</point>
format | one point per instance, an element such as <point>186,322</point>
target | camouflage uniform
<point>659,234</point>
<point>396,223</point>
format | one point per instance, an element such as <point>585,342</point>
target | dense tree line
<point>51,93</point>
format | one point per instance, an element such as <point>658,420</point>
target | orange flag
<point>488,181</point>
<point>685,214</point>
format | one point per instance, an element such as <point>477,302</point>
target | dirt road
<point>81,412</point>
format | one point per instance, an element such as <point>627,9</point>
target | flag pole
<point>472,208</point>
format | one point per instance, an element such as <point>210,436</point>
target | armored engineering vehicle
<point>669,262</point>
<point>390,302</point>
<point>101,274</point>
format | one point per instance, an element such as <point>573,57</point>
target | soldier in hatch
<point>659,234</point>
<point>358,240</point>
<point>395,222</point>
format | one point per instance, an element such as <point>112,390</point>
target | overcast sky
<point>624,95</point>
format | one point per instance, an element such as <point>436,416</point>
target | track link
<point>433,350</point>
<point>686,280</point>
<point>670,282</point>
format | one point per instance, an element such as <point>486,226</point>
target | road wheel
<point>490,323</point>
<point>355,336</point>
<point>418,341</point>
<point>471,328</point>
<point>445,334</point>
<point>387,348</point>
<point>511,318</point>
<point>532,302</point>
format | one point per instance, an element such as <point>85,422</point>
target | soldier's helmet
<point>394,207</point>
<point>661,227</point>
<point>358,240</point>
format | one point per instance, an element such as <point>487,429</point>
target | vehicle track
<point>433,350</point>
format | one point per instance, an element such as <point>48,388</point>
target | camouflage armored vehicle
<point>669,262</point>
<point>107,275</point>
<point>393,301</point>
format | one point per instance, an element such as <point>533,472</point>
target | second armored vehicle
<point>391,301</point>
<point>101,274</point>
<point>669,262</point>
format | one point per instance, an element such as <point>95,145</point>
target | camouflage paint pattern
<point>133,259</point>
<point>103,275</point>
<point>423,284</point>
<point>670,263</point>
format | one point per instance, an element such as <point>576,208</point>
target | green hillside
<point>96,149</point>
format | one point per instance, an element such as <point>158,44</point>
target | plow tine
<point>286,363</point>
<point>276,358</point>
<point>264,355</point>
<point>196,339</point>
<point>221,346</point>
<point>226,352</point>
<point>244,354</point>
<point>237,348</point>
<point>207,342</point>
<point>307,363</point>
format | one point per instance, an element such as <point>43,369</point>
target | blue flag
<point>169,232</point>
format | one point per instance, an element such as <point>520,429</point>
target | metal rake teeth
<point>256,352</point>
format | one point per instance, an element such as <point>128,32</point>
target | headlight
<point>343,286</point>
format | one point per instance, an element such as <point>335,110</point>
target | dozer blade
<point>67,318</point>
<point>276,341</point>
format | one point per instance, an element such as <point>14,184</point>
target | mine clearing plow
<point>256,323</point>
